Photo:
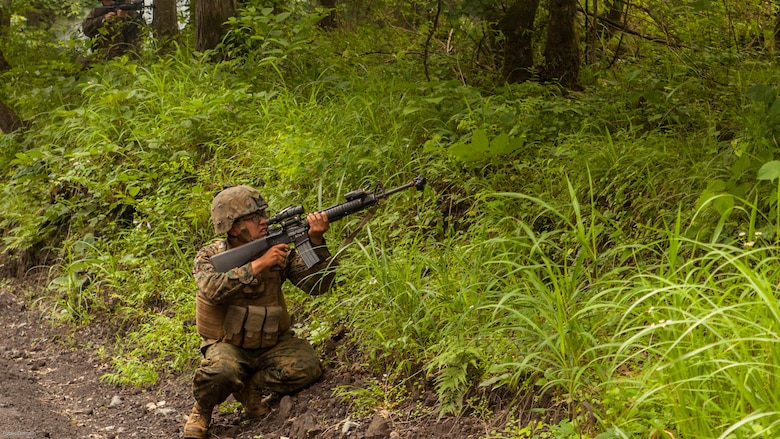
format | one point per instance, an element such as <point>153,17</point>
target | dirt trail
<point>52,390</point>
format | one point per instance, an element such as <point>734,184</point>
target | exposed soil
<point>51,388</point>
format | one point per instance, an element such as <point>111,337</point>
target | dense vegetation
<point>606,259</point>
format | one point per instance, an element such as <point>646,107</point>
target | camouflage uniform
<point>289,365</point>
<point>247,343</point>
<point>114,37</point>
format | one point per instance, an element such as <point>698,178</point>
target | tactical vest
<point>252,319</point>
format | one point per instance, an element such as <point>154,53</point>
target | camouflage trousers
<point>225,369</point>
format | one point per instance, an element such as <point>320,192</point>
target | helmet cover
<point>232,203</point>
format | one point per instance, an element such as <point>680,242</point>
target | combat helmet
<point>232,203</point>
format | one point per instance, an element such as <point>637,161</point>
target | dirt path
<point>52,390</point>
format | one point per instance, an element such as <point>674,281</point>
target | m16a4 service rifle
<point>288,227</point>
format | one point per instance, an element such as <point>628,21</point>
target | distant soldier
<point>114,30</point>
<point>247,344</point>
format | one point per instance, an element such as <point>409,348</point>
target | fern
<point>456,370</point>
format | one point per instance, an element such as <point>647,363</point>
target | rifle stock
<point>291,229</point>
<point>225,261</point>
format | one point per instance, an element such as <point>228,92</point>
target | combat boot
<point>197,426</point>
<point>253,402</point>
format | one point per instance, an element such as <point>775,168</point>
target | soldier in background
<point>114,31</point>
<point>247,344</point>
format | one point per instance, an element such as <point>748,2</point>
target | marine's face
<point>250,227</point>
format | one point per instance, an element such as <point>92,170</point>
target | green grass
<point>606,252</point>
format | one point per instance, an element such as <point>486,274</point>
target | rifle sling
<point>363,222</point>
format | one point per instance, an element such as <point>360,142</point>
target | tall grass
<point>677,335</point>
<point>701,342</point>
<point>562,249</point>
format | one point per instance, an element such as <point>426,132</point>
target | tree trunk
<point>4,65</point>
<point>165,23</point>
<point>597,25</point>
<point>591,29</point>
<point>562,55</point>
<point>329,21</point>
<point>616,11</point>
<point>518,28</point>
<point>777,30</point>
<point>9,121</point>
<point>210,16</point>
<point>5,16</point>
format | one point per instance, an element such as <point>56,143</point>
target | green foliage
<point>703,335</point>
<point>455,369</point>
<point>752,174</point>
<point>229,406</point>
<point>606,257</point>
<point>373,395</point>
<point>262,36</point>
<point>132,371</point>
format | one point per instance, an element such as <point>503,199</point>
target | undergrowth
<point>613,250</point>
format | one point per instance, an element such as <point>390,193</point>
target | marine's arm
<point>94,21</point>
<point>218,287</point>
<point>214,286</point>
<point>319,278</point>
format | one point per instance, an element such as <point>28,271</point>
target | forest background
<point>596,247</point>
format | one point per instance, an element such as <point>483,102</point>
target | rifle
<point>288,227</point>
<point>122,5</point>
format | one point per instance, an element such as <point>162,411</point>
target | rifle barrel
<point>418,183</point>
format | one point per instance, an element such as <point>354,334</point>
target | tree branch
<point>623,27</point>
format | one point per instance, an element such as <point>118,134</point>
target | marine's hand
<point>318,225</point>
<point>109,15</point>
<point>276,255</point>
